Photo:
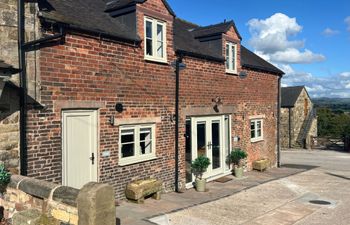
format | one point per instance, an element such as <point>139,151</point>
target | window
<point>231,57</point>
<point>256,130</point>
<point>136,143</point>
<point>155,40</point>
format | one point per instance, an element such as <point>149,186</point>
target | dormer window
<point>155,40</point>
<point>231,57</point>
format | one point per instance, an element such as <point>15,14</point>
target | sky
<point>308,39</point>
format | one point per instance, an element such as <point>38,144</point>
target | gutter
<point>279,122</point>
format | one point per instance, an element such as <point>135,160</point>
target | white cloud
<point>337,85</point>
<point>328,32</point>
<point>271,40</point>
<point>347,21</point>
<point>345,74</point>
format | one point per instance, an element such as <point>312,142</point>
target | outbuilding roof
<point>289,96</point>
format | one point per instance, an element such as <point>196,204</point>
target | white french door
<point>207,140</point>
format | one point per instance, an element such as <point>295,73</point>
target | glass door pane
<point>201,139</point>
<point>215,144</point>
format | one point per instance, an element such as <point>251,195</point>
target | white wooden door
<point>79,143</point>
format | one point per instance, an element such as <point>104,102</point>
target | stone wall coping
<point>45,190</point>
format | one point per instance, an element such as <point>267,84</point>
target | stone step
<point>5,128</point>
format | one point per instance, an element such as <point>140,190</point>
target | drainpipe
<point>23,88</point>
<point>177,95</point>
<point>279,122</point>
<point>290,127</point>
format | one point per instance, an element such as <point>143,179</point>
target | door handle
<point>92,158</point>
<point>209,144</point>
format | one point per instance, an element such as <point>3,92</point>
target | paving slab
<point>130,213</point>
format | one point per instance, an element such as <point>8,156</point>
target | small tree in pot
<point>236,157</point>
<point>199,166</point>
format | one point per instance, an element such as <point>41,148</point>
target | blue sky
<point>309,39</point>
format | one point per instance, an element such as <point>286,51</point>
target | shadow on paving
<point>299,166</point>
<point>339,176</point>
<point>130,213</point>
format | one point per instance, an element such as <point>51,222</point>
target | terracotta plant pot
<point>238,172</point>
<point>200,185</point>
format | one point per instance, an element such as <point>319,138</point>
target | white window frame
<point>229,58</point>
<point>138,157</point>
<point>154,57</point>
<point>256,138</point>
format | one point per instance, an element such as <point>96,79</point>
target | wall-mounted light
<point>217,103</point>
<point>119,107</point>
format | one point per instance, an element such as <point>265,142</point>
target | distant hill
<point>335,104</point>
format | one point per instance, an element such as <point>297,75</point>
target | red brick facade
<point>87,72</point>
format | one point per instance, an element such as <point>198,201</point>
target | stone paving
<point>134,214</point>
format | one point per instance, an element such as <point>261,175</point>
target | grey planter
<point>238,172</point>
<point>200,185</point>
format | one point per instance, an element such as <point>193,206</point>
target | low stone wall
<point>61,204</point>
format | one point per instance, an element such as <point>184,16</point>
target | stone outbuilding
<point>298,118</point>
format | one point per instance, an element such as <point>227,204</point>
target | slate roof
<point>289,96</point>
<point>91,16</point>
<point>185,41</point>
<point>6,68</point>
<point>253,61</point>
<point>119,4</point>
<point>214,29</point>
<point>87,15</point>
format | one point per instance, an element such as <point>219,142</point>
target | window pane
<point>258,133</point>
<point>148,29</point>
<point>149,46</point>
<point>160,40</point>
<point>159,32</point>
<point>127,136</point>
<point>258,124</point>
<point>128,150</point>
<point>145,140</point>
<point>252,129</point>
<point>227,56</point>
<point>252,134</point>
<point>233,57</point>
<point>160,49</point>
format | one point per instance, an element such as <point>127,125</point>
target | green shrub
<point>200,165</point>
<point>237,155</point>
<point>5,177</point>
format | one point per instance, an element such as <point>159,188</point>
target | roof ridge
<point>186,21</point>
<point>214,25</point>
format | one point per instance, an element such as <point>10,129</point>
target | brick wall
<point>86,72</point>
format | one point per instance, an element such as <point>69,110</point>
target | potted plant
<point>199,166</point>
<point>5,177</point>
<point>236,157</point>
